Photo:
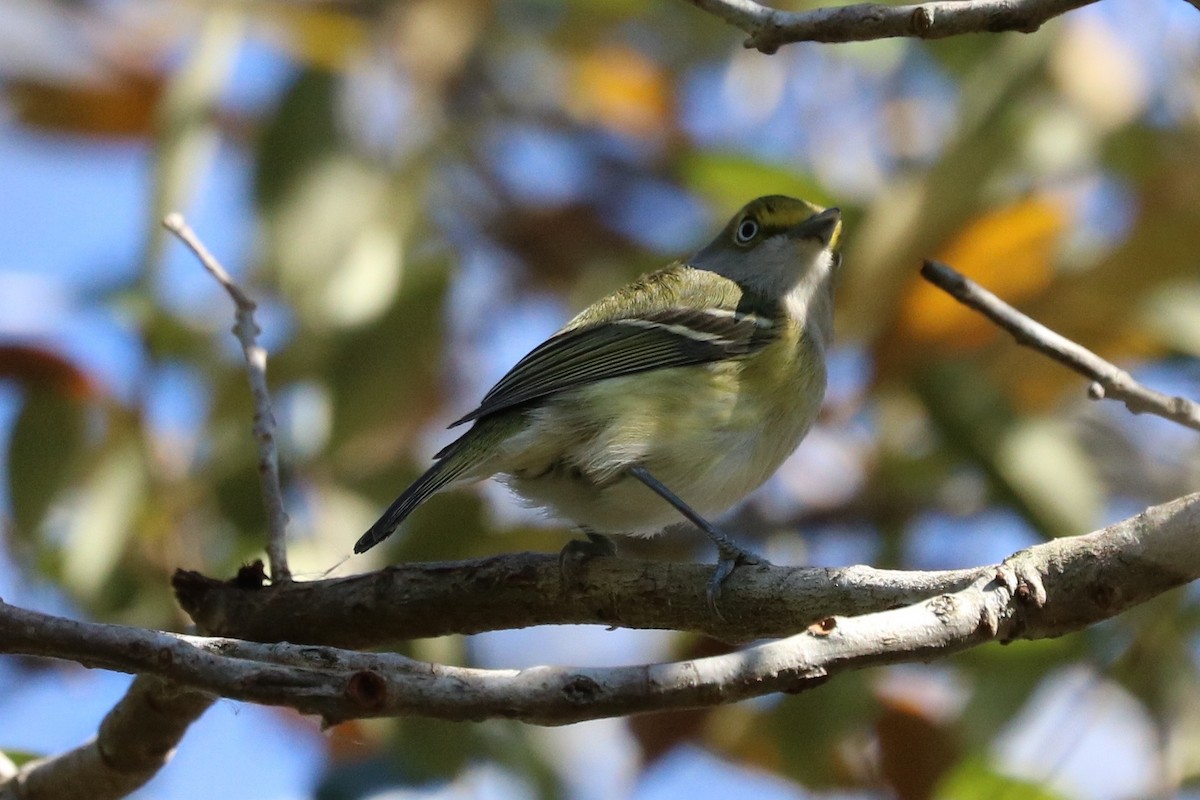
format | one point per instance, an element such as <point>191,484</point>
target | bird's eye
<point>746,230</point>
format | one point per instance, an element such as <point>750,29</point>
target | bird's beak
<point>820,226</point>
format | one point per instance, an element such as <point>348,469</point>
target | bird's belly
<point>693,430</point>
<point>623,505</point>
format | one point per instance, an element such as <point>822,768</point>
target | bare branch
<point>1108,380</point>
<point>410,601</point>
<point>1047,590</point>
<point>246,330</point>
<point>770,28</point>
<point>139,735</point>
<point>136,739</point>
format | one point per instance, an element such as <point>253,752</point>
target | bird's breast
<point>711,433</point>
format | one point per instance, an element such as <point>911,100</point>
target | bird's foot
<point>731,557</point>
<point>577,552</point>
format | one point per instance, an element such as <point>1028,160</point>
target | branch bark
<point>136,739</point>
<point>769,28</point>
<point>1045,591</point>
<point>410,601</point>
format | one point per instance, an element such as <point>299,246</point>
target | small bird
<point>679,394</point>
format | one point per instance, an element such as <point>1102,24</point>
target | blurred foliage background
<point>418,192</point>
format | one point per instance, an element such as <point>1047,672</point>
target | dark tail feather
<point>435,478</point>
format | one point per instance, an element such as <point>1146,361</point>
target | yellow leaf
<point>322,37</point>
<point>1009,251</point>
<point>622,89</point>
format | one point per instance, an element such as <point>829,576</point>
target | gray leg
<point>731,554</point>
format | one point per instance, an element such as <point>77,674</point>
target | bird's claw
<point>731,557</point>
<point>575,552</point>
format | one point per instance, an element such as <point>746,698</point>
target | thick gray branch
<point>136,739</point>
<point>1108,380</point>
<point>769,28</point>
<point>410,601</point>
<point>1047,590</point>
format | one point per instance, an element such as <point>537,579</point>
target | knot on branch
<point>581,690</point>
<point>367,689</point>
<point>922,21</point>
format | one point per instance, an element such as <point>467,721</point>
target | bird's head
<point>774,244</point>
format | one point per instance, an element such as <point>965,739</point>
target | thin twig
<point>1047,590</point>
<point>770,28</point>
<point>1108,380</point>
<point>246,330</point>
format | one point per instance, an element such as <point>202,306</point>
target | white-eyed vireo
<point>678,394</point>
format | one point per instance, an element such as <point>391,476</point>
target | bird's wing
<point>673,337</point>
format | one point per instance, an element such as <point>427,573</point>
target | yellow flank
<point>713,433</point>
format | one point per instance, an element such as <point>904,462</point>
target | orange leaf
<point>123,106</point>
<point>1009,251</point>
<point>38,366</point>
<point>915,748</point>
<point>622,89</point>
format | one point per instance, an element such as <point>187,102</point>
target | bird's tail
<point>451,463</point>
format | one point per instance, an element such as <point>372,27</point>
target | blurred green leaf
<point>239,500</point>
<point>1173,313</point>
<point>974,778</point>
<point>1002,679</point>
<point>1157,665</point>
<point>437,750</point>
<point>44,453</point>
<point>816,730</point>
<point>1036,467</point>
<point>103,518</point>
<point>1045,464</point>
<point>386,376</point>
<point>729,179</point>
<point>302,132</point>
<point>20,757</point>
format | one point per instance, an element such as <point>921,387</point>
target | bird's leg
<point>577,550</point>
<point>731,554</point>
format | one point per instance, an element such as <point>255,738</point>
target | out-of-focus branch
<point>1108,380</point>
<point>136,739</point>
<point>1047,590</point>
<point>770,28</point>
<point>246,330</point>
<point>139,735</point>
